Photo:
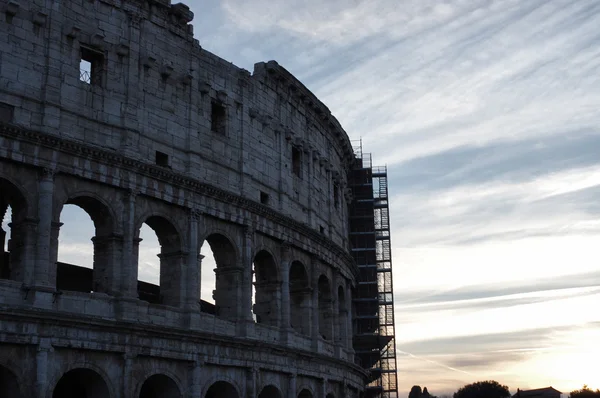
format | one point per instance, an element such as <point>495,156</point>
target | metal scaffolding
<point>374,333</point>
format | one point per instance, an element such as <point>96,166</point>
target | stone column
<point>252,382</point>
<point>192,293</point>
<point>127,371</point>
<point>196,387</point>
<point>129,269</point>
<point>285,292</point>
<point>41,382</point>
<point>45,195</point>
<point>246,305</point>
<point>323,389</point>
<point>349,328</point>
<point>292,387</point>
<point>314,307</point>
<point>171,278</point>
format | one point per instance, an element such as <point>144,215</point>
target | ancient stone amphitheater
<point>113,106</point>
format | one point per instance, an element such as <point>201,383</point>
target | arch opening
<point>9,385</point>
<point>342,318</point>
<point>227,277</point>
<point>13,232</point>
<point>299,298</point>
<point>330,395</point>
<point>325,308</point>
<point>81,265</point>
<point>266,288</point>
<point>159,386</point>
<point>305,393</point>
<point>81,382</point>
<point>221,389</point>
<point>270,391</point>
<point>159,282</point>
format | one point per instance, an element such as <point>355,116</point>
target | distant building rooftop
<point>538,392</point>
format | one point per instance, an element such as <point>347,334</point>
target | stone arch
<point>342,317</point>
<point>267,284</point>
<point>222,389</point>
<point>103,275</point>
<point>299,298</point>
<point>228,276</point>
<point>79,382</point>
<point>325,308</point>
<point>270,391</point>
<point>159,385</point>
<point>9,383</point>
<point>305,393</point>
<point>13,261</point>
<point>172,260</point>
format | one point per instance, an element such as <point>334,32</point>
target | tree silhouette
<point>483,389</point>
<point>585,392</point>
<point>415,392</point>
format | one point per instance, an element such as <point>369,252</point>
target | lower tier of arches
<point>97,360</point>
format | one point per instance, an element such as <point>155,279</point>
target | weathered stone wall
<point>167,134</point>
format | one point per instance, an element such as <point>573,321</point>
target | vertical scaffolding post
<point>374,333</point>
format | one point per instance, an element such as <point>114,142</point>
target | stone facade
<point>113,106</point>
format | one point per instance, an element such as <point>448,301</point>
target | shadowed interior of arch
<point>266,289</point>
<point>81,382</point>
<point>84,265</point>
<point>159,386</point>
<point>221,389</point>
<point>6,215</point>
<point>9,385</point>
<point>12,231</point>
<point>305,394</point>
<point>270,391</point>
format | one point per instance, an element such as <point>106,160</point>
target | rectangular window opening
<point>162,159</point>
<point>322,229</point>
<point>91,64</point>
<point>264,198</point>
<point>336,195</point>
<point>296,161</point>
<point>218,118</point>
<point>7,112</point>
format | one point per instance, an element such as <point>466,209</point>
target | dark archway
<point>299,298</point>
<point>9,385</point>
<point>159,386</point>
<point>267,289</point>
<point>75,271</point>
<point>330,395</point>
<point>221,389</point>
<point>81,383</point>
<point>325,308</point>
<point>227,292</point>
<point>171,258</point>
<point>270,391</point>
<point>13,232</point>
<point>305,394</point>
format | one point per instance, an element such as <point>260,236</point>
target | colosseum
<point>114,107</point>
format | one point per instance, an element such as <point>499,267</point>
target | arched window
<point>305,394</point>
<point>267,289</point>
<point>299,299</point>
<point>159,386</point>
<point>227,277</point>
<point>270,391</point>
<point>169,288</point>
<point>9,384</point>
<point>221,389</point>
<point>81,383</point>
<point>85,266</point>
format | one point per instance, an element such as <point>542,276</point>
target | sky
<point>486,114</point>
